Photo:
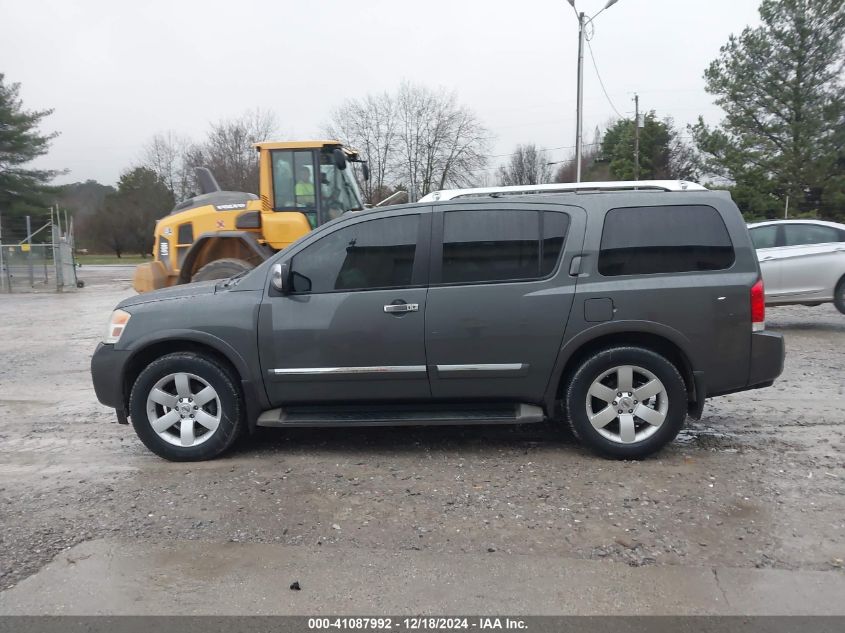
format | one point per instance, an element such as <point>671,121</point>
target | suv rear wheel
<point>186,407</point>
<point>626,402</point>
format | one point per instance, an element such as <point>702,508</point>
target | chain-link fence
<point>36,253</point>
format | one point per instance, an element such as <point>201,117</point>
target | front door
<point>499,298</point>
<point>352,329</point>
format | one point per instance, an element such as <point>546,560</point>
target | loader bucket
<point>149,276</point>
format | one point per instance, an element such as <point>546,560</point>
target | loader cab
<point>303,186</point>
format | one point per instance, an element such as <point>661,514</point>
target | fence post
<point>2,273</point>
<point>55,238</point>
<point>29,252</point>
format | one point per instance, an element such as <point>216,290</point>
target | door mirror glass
<point>339,158</point>
<point>365,171</point>
<point>280,277</point>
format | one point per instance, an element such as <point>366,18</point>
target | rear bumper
<point>107,367</point>
<point>767,355</point>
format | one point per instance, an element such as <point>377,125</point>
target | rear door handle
<point>393,308</point>
<point>766,259</point>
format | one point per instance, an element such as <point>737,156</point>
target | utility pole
<point>579,123</point>
<point>583,21</point>
<point>636,136</point>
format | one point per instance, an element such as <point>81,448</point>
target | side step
<point>402,415</point>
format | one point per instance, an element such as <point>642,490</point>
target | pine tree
<point>21,141</point>
<point>780,85</point>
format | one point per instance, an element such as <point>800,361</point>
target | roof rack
<point>520,190</point>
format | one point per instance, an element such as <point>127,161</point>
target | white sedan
<point>803,261</point>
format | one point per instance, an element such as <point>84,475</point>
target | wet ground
<point>759,482</point>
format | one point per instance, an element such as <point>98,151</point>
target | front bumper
<point>107,371</point>
<point>767,355</point>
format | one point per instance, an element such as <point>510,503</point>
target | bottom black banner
<point>403,624</point>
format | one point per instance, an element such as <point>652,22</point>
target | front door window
<point>365,256</point>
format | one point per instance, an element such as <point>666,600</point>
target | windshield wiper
<point>228,282</point>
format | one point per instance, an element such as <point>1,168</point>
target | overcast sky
<point>118,72</point>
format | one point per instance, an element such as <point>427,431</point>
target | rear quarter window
<point>664,239</point>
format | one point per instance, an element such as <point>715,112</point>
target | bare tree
<point>170,156</point>
<point>593,165</point>
<point>590,169</point>
<point>527,166</point>
<point>228,149</point>
<point>416,139</point>
<point>369,125</point>
<point>441,143</point>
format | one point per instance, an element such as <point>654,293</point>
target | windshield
<point>338,189</point>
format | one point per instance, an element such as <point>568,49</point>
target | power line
<point>601,83</point>
<point>542,149</point>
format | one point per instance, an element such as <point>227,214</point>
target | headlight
<point>117,323</point>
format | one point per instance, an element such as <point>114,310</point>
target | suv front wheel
<point>186,407</point>
<point>626,402</point>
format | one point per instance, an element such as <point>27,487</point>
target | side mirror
<point>339,158</point>
<point>365,171</point>
<point>280,277</point>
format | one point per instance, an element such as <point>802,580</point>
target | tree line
<point>781,141</point>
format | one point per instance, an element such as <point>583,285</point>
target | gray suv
<point>615,312</point>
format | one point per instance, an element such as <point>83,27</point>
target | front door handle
<point>394,308</point>
<point>766,259</point>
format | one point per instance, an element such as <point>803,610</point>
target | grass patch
<point>126,260</point>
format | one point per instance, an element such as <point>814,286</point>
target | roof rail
<point>564,187</point>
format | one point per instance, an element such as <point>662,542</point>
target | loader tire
<point>221,269</point>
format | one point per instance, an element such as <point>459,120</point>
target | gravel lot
<point>759,482</point>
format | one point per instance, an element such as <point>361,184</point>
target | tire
<point>839,296</point>
<point>626,436</point>
<point>193,393</point>
<point>221,269</point>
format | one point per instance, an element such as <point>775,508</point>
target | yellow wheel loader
<point>218,234</point>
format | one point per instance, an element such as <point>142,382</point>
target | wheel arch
<point>168,342</point>
<point>657,338</point>
<point>212,246</point>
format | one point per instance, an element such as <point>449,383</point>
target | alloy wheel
<point>183,409</point>
<point>627,404</point>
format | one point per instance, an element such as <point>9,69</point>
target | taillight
<point>758,306</point>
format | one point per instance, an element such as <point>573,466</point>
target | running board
<point>401,415</point>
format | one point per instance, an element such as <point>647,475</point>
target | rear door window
<point>664,239</point>
<point>803,234</point>
<point>501,245</point>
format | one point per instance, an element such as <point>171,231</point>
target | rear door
<point>499,298</point>
<point>353,328</point>
<point>672,267</point>
<point>811,261</point>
